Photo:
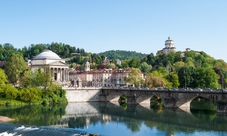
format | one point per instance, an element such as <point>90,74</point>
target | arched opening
<point>203,109</point>
<point>123,102</point>
<point>156,103</point>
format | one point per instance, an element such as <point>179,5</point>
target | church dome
<point>47,54</point>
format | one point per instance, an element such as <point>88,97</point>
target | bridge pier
<point>131,99</point>
<point>221,108</point>
<point>169,102</point>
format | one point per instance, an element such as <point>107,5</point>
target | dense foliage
<point>63,50</point>
<point>15,67</point>
<point>122,55</point>
<point>190,68</point>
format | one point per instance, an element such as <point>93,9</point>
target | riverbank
<point>4,119</point>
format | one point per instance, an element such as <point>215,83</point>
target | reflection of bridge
<point>180,98</point>
<point>167,118</point>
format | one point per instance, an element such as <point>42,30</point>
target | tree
<point>145,68</point>
<point>45,77</point>
<point>8,50</point>
<point>15,66</point>
<point>3,78</point>
<point>206,77</point>
<point>135,77</point>
<point>112,65</point>
<point>154,81</point>
<point>169,58</point>
<point>186,76</point>
<point>220,64</point>
<point>25,79</point>
<point>178,65</point>
<point>174,79</point>
<point>134,63</point>
<point>125,63</point>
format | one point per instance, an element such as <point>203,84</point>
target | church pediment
<point>58,63</point>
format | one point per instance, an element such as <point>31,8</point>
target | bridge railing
<point>169,89</point>
<point>207,90</point>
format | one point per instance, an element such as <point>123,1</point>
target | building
<point>2,64</point>
<point>58,67</point>
<point>186,50</point>
<point>98,78</point>
<point>169,47</point>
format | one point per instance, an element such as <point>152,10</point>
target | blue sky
<point>101,25</point>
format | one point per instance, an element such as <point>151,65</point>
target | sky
<point>102,25</point>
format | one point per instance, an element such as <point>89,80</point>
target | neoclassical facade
<point>57,65</point>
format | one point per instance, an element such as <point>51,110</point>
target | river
<point>109,119</point>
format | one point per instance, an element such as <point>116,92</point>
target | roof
<point>47,54</point>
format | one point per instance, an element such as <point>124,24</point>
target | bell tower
<point>87,66</point>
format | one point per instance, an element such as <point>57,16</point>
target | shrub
<point>10,92</point>
<point>31,95</point>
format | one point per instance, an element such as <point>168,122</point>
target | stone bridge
<point>172,98</point>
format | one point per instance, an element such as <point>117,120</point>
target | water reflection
<point>203,109</point>
<point>34,115</point>
<point>103,117</point>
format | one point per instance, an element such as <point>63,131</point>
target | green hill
<point>122,55</point>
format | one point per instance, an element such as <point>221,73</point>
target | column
<point>61,74</point>
<point>57,75</point>
<point>65,74</point>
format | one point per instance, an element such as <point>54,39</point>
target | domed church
<point>57,65</point>
<point>169,47</point>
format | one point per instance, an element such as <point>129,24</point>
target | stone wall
<point>83,95</point>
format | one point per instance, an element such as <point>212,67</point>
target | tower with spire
<point>87,66</point>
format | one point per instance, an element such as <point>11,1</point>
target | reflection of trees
<point>35,115</point>
<point>133,124</point>
<point>123,102</point>
<point>168,128</point>
<point>203,109</point>
<point>81,122</point>
<point>201,103</point>
<point>76,122</point>
<point>156,102</point>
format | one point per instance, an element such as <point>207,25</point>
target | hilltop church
<point>169,47</point>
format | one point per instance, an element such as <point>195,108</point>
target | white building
<point>169,47</point>
<point>57,65</point>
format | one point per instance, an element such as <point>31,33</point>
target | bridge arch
<point>114,97</point>
<point>144,99</point>
<point>185,103</point>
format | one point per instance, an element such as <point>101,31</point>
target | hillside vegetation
<point>122,55</point>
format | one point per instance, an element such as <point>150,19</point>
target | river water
<point>108,119</point>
